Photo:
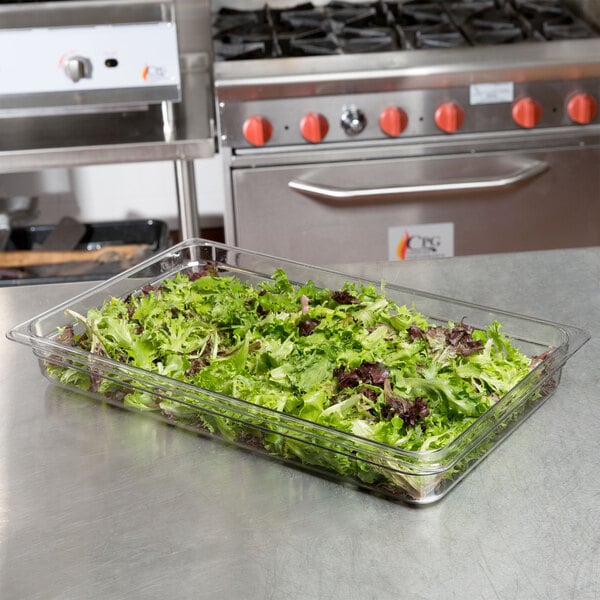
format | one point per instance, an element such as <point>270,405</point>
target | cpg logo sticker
<point>431,240</point>
<point>153,73</point>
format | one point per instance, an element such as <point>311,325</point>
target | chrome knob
<point>77,67</point>
<point>353,121</point>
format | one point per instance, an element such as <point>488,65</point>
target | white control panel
<point>86,58</point>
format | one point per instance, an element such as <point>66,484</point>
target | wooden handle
<point>29,258</point>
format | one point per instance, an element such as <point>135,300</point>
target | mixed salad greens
<point>349,359</point>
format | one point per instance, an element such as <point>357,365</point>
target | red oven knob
<point>257,130</point>
<point>449,117</point>
<point>582,108</point>
<point>527,112</point>
<point>314,127</point>
<point>393,121</point>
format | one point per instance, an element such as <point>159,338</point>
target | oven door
<point>403,208</point>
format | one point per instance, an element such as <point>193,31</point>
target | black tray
<point>152,232</point>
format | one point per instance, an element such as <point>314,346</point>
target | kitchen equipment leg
<point>189,226</point>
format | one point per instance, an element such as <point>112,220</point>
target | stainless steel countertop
<point>100,503</point>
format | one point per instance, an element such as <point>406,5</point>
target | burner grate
<point>491,25</point>
<point>552,20</point>
<point>565,28</point>
<point>387,25</point>
<point>425,24</point>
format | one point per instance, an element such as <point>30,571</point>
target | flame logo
<point>402,246</point>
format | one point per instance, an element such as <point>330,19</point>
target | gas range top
<point>383,26</point>
<point>386,71</point>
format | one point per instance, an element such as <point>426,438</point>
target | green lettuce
<point>351,360</point>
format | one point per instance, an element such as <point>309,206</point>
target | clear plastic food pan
<point>401,425</point>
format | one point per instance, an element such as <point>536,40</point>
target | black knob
<point>353,121</point>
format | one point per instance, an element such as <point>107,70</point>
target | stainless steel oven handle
<point>335,194</point>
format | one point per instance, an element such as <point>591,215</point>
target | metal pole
<point>185,180</point>
<point>189,225</point>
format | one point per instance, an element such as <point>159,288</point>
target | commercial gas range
<point>397,130</point>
